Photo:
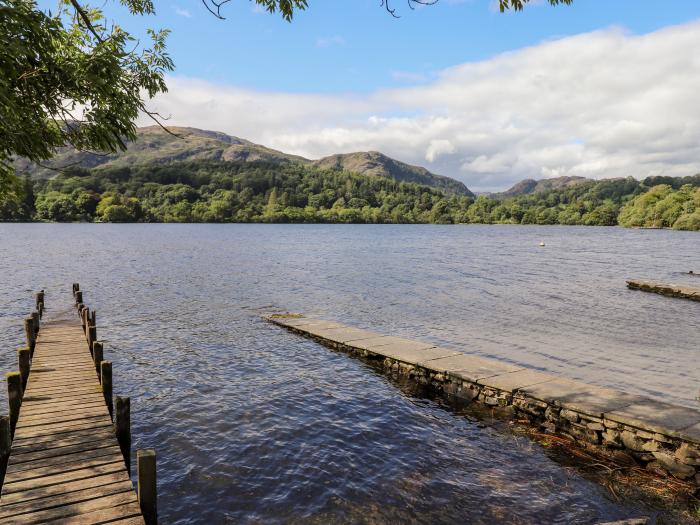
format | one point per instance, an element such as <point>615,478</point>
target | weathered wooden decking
<point>684,291</point>
<point>65,463</point>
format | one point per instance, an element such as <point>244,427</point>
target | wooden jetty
<point>683,291</point>
<point>660,436</point>
<point>65,448</point>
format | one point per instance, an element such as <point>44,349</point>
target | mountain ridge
<point>155,146</point>
<point>530,186</point>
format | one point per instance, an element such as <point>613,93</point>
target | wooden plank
<point>107,455</point>
<point>50,408</point>
<point>59,389</point>
<point>63,477</point>
<point>64,376</point>
<point>55,419</point>
<point>93,501</point>
<point>50,438</point>
<point>30,400</point>
<point>72,438</point>
<point>65,463</point>
<point>128,514</point>
<point>30,418</point>
<point>28,433</point>
<point>59,452</point>
<point>68,486</point>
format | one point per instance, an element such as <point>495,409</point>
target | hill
<point>529,186</point>
<point>153,146</point>
<point>377,164</point>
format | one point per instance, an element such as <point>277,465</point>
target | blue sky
<point>600,89</point>
<point>354,45</point>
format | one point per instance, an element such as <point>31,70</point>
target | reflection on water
<point>253,424</point>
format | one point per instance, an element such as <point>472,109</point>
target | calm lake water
<point>255,425</point>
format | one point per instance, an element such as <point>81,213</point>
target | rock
<point>580,432</point>
<point>655,468</point>
<point>643,457</point>
<point>631,441</point>
<point>551,414</point>
<point>611,438</point>
<point>550,427</point>
<point>675,467</point>
<point>650,446</point>
<point>687,455</point>
<point>450,388</point>
<point>467,394</point>
<point>645,435</point>
<point>490,401</point>
<point>595,426</point>
<point>633,521</point>
<point>570,415</point>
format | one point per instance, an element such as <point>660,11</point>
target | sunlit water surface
<point>255,425</point>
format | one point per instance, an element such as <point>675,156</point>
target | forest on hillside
<point>207,191</point>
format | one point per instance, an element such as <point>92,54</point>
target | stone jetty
<point>683,291</point>
<point>661,436</point>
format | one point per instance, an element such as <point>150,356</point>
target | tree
<point>518,5</point>
<point>72,78</point>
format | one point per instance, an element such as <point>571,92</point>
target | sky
<point>602,88</point>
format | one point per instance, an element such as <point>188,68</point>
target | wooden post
<point>14,398</point>
<point>92,336</point>
<point>97,355</point>
<point>5,446</point>
<point>78,297</point>
<point>122,428</point>
<point>23,362</point>
<point>35,316</point>
<point>29,333</point>
<point>106,380</point>
<point>40,302</point>
<point>76,287</point>
<point>93,317</point>
<point>147,492</point>
<point>81,307</point>
<point>83,318</point>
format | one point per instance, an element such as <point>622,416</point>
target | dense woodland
<point>266,192</point>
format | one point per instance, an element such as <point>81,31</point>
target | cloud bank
<point>601,104</point>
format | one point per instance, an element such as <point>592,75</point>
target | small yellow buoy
<point>542,243</point>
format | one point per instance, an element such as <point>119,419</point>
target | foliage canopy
<point>216,191</point>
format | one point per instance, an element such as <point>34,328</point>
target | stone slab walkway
<point>683,291</point>
<point>657,434</point>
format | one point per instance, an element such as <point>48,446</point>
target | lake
<point>255,425</point>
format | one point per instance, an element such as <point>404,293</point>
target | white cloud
<point>183,12</point>
<point>600,104</point>
<point>437,148</point>
<point>330,41</point>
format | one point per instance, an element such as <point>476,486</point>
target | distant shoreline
<point>478,224</point>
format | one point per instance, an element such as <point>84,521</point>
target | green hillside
<point>208,190</point>
<point>154,147</point>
